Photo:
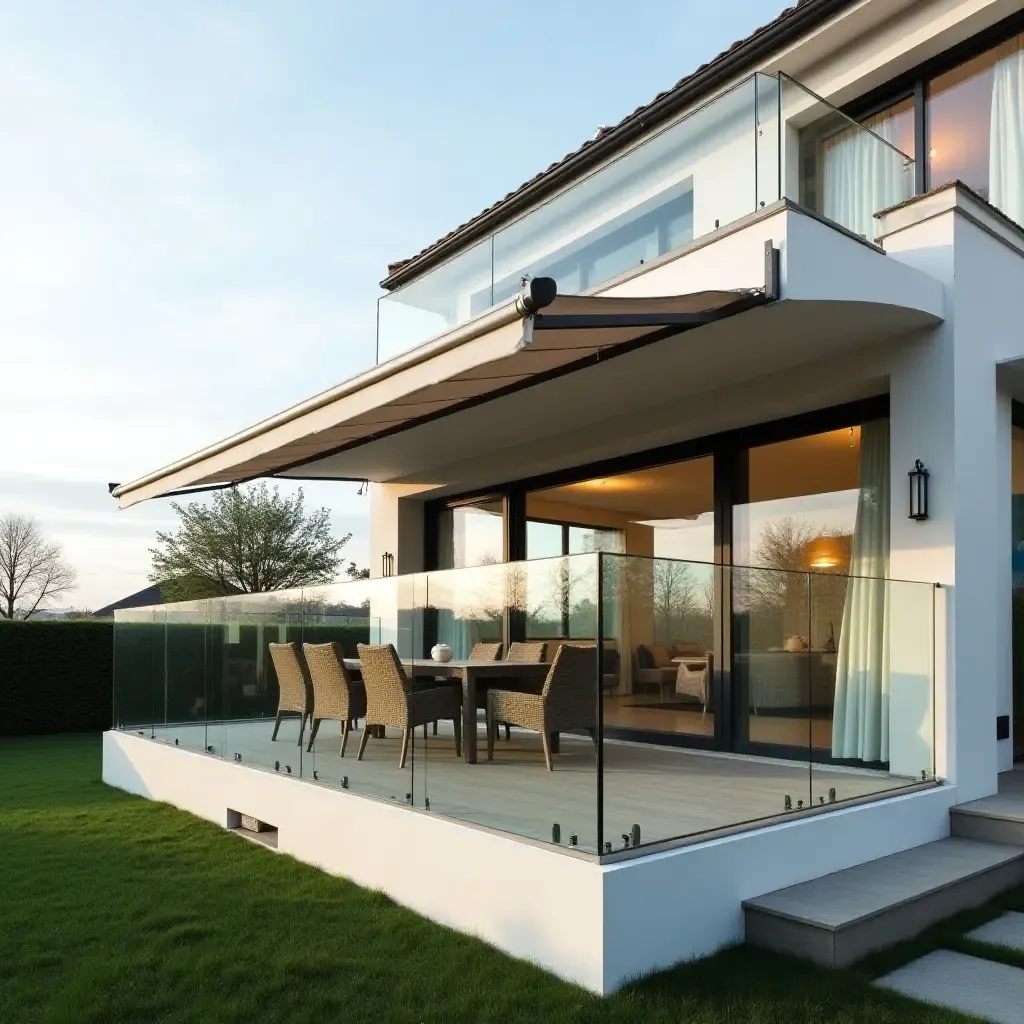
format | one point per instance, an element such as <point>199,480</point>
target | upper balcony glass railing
<point>766,138</point>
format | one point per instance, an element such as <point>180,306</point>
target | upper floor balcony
<point>766,139</point>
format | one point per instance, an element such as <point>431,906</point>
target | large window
<point>471,534</point>
<point>849,174</point>
<point>974,126</point>
<point>743,606</point>
<point>657,526</point>
<point>811,550</point>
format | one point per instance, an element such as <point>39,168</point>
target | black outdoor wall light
<point>918,491</point>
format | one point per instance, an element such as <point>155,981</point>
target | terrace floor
<point>669,792</point>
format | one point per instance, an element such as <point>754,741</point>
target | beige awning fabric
<point>519,343</point>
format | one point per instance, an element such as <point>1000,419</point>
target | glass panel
<point>768,153</point>
<point>879,679</point>
<point>471,535</point>
<point>241,629</point>
<point>1017,564</point>
<point>138,655</point>
<point>659,663</point>
<point>514,792</point>
<point>381,611</point>
<point>688,180</point>
<point>711,168</point>
<point>182,701</point>
<point>449,295</point>
<point>773,664</point>
<point>663,511</point>
<point>974,129</point>
<point>801,516</point>
<point>848,172</point>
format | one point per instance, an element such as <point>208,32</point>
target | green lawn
<point>113,908</point>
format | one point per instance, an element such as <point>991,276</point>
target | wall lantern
<point>918,491</point>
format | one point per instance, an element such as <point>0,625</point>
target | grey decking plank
<point>669,792</point>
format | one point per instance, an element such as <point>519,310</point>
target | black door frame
<point>730,451</point>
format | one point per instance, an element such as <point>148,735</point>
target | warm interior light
<point>824,553</point>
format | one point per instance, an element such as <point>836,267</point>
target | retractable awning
<point>530,339</point>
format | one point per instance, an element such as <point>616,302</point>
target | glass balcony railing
<point>611,677</point>
<point>766,138</point>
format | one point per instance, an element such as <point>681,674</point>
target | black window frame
<point>915,83</point>
<point>730,451</point>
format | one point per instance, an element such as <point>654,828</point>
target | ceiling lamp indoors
<point>825,553</point>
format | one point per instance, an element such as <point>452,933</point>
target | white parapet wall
<point>598,926</point>
<point>533,903</point>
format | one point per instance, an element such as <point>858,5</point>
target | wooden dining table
<point>469,673</point>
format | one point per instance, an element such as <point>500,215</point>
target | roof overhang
<point>533,338</point>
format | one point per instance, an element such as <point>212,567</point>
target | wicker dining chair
<point>391,700</point>
<point>337,695</point>
<point>485,652</point>
<point>568,700</point>
<point>295,692</point>
<point>521,651</point>
<point>527,650</point>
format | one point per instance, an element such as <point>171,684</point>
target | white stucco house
<point>727,395</point>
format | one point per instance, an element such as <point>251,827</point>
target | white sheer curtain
<point>860,719</point>
<point>1006,138</point>
<point>456,632</point>
<point>862,175</point>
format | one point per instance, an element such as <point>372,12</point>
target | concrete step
<point>994,819</point>
<point>840,918</point>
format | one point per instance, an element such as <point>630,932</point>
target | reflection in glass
<point>472,534</point>
<point>811,654</point>
<point>974,127</point>
<point>848,171</point>
<point>658,608</point>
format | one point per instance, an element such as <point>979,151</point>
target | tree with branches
<point>33,572</point>
<point>246,540</point>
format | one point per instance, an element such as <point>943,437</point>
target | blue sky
<point>198,200</point>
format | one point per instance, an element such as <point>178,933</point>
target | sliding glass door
<point>743,589</point>
<point>810,554</point>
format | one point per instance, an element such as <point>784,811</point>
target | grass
<point>114,908</point>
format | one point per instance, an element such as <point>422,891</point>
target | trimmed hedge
<point>59,676</point>
<point>55,676</point>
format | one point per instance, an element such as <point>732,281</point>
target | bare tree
<point>675,591</point>
<point>32,569</point>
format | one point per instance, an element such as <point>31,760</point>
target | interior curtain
<point>456,632</point>
<point>860,718</point>
<point>1006,137</point>
<point>862,175</point>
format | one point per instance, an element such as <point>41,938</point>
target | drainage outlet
<point>251,824</point>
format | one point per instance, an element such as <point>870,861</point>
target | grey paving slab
<point>1007,930</point>
<point>839,899</point>
<point>988,990</point>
